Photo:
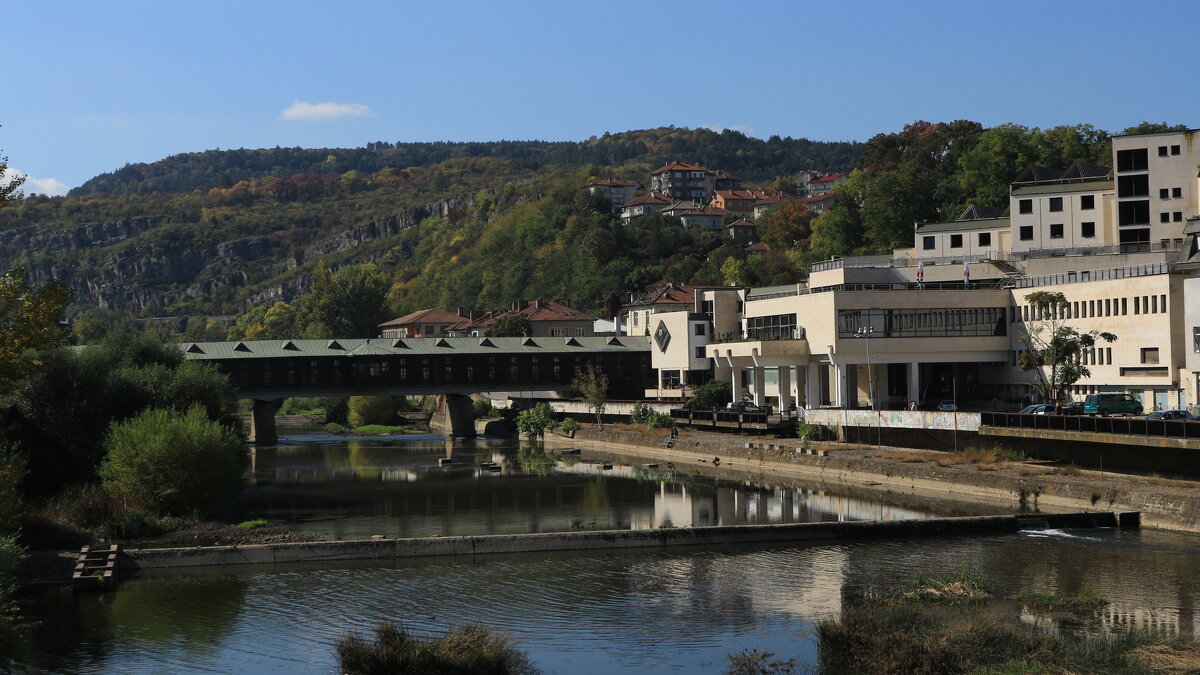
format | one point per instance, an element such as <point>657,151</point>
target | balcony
<point>761,334</point>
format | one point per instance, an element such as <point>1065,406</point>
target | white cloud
<point>42,186</point>
<point>749,131</point>
<point>303,110</point>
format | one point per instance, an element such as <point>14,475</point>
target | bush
<point>337,409</point>
<point>367,410</point>
<point>660,420</point>
<point>535,421</point>
<point>809,432</point>
<point>470,650</point>
<point>335,428</point>
<point>300,406</point>
<point>482,408</point>
<point>174,464</point>
<point>711,395</point>
<point>569,425</point>
<point>11,554</point>
<point>640,414</point>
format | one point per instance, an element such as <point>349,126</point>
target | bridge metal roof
<point>265,349</point>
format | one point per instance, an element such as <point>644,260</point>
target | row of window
<point>929,242</point>
<point>1086,203</point>
<point>901,323</point>
<point>1085,309</point>
<point>1168,216</point>
<point>1162,150</point>
<point>1087,230</point>
<point>1175,193</point>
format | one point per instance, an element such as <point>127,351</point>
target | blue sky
<point>91,86</point>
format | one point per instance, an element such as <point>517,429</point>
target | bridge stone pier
<point>268,371</point>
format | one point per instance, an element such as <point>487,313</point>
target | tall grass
<point>470,649</point>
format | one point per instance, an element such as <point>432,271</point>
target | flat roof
<point>425,346</point>
<point>965,225</point>
<point>1051,188</point>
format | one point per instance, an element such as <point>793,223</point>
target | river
<point>585,612</point>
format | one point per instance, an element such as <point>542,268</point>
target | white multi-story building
<point>944,319</point>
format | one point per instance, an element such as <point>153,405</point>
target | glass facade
<point>907,323</point>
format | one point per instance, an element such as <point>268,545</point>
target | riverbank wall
<point>1165,504</point>
<point>499,544</point>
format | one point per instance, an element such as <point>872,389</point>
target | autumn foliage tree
<point>785,226</point>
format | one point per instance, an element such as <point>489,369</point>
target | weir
<point>332,551</point>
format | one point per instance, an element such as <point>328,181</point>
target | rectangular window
<point>700,329</point>
<point>1124,306</point>
<point>928,243</point>
<point>985,238</point>
<point>1026,233</point>
<point>1176,193</point>
<point>1164,217</point>
<point>956,241</point>
<point>1133,213</point>
<point>1087,202</point>
<point>1196,339</point>
<point>1145,304</point>
<point>1108,355</point>
<point>1075,309</point>
<point>1163,193</point>
<point>1056,231</point>
<point>1136,159</point>
<point>1163,302</point>
<point>699,352</point>
<point>558,332</point>
<point>1137,305</point>
<point>1133,186</point>
<point>579,332</point>
<point>1087,230</point>
<point>1149,354</point>
<point>1056,204</point>
<point>1174,149</point>
<point>1154,304</point>
<point>1162,151</point>
<point>1107,307</point>
<point>1025,206</point>
<point>1091,308</point>
<point>1177,216</point>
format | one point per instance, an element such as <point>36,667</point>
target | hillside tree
<point>1054,348</point>
<point>592,384</point>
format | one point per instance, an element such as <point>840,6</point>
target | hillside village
<point>946,318</point>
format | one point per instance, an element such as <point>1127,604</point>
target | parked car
<point>1171,415</point>
<point>1039,409</point>
<point>947,406</point>
<point>747,407</point>
<point>1072,408</point>
<point>1111,404</point>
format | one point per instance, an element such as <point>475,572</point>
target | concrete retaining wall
<point>332,551</point>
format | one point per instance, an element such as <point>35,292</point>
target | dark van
<point>1111,404</point>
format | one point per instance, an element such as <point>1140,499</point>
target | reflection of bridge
<point>268,371</point>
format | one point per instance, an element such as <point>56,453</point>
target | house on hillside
<point>801,180</point>
<point>740,202</point>
<point>819,203</point>
<point>645,205</point>
<point>723,180</point>
<point>824,184</point>
<point>743,232</point>
<point>705,218</point>
<point>682,181</point>
<point>547,318</point>
<point>421,323</point>
<point>616,191</point>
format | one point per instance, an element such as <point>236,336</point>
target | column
<point>785,388</point>
<point>812,385</point>
<point>262,422</point>
<point>845,384</point>
<point>914,383</point>
<point>760,385</point>
<point>454,416</point>
<point>739,383</point>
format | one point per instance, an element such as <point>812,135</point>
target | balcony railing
<point>761,334</point>
<point>869,261</point>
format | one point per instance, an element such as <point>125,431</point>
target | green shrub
<point>640,414</point>
<point>809,432</point>
<point>482,408</point>
<point>759,662</point>
<point>711,395</point>
<point>365,410</point>
<point>569,425</point>
<point>535,421</point>
<point>659,420</point>
<point>468,650</point>
<point>251,524</point>
<point>300,406</point>
<point>174,463</point>
<point>335,428</point>
<point>379,429</point>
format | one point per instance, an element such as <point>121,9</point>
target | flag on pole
<point>921,272</point>
<point>966,274</point>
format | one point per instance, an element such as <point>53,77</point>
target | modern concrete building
<point>945,319</point>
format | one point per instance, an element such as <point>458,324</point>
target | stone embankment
<point>1163,502</point>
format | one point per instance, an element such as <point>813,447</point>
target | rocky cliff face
<point>120,265</point>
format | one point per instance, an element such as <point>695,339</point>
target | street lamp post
<point>865,333</point>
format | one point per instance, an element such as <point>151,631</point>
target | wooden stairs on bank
<point>96,569</point>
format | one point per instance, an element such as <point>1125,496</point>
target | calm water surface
<point>586,612</point>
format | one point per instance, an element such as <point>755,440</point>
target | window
<point>1162,151</point>
<point>1163,304</point>
<point>956,241</point>
<point>700,352</point>
<point>558,332</point>
<point>985,238</point>
<point>1087,202</point>
<point>1075,309</point>
<point>1133,213</point>
<point>1056,203</point>
<point>1163,193</point>
<point>1149,354</point>
<point>1026,233</point>
<point>700,329</point>
<point>1124,306</point>
<point>1133,186</point>
<point>1177,216</point>
<point>1108,355</point>
<point>1154,304</point>
<point>1164,217</point>
<point>1025,206</point>
<point>1107,307</point>
<point>1174,149</point>
<point>578,332</point>
<point>1176,193</point>
<point>635,317</point>
<point>1196,339</point>
<point>1137,305</point>
<point>1087,229</point>
<point>1132,160</point>
<point>1091,308</point>
<point>1056,231</point>
<point>928,243</point>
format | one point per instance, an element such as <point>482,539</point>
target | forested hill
<point>753,159</point>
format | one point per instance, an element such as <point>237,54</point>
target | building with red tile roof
<point>648,203</point>
<point>825,184</point>
<point>665,298</point>
<point>421,323</point>
<point>616,191</point>
<point>682,181</point>
<point>547,318</point>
